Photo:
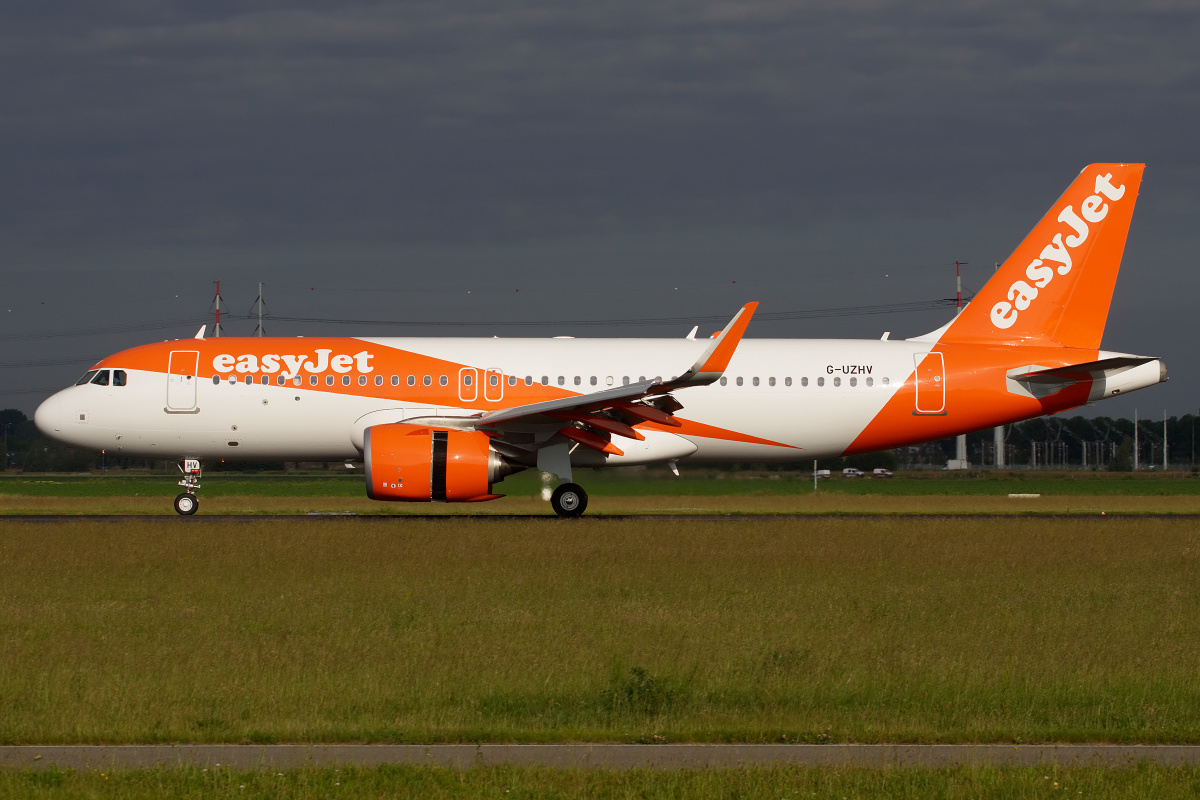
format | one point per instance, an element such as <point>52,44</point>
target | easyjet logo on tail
<point>1022,293</point>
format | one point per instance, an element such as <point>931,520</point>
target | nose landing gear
<point>186,501</point>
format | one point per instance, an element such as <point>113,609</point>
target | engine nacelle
<point>419,464</point>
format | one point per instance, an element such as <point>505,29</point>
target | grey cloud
<point>616,143</point>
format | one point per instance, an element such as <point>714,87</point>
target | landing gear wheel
<point>569,500</point>
<point>186,504</point>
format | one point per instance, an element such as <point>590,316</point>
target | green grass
<point>695,482</point>
<point>868,630</point>
<point>968,783</point>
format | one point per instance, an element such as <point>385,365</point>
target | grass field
<point>628,493</point>
<point>875,629</point>
<point>525,782</point>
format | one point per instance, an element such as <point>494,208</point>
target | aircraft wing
<point>592,419</point>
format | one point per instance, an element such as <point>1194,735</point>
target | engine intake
<point>422,464</point>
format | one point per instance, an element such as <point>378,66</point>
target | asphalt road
<point>588,756</point>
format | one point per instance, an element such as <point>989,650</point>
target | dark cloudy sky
<point>526,162</point>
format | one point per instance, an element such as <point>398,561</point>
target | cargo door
<point>930,383</point>
<point>181,380</point>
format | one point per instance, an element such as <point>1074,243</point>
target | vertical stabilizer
<point>1057,285</point>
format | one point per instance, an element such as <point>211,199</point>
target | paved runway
<point>589,756</point>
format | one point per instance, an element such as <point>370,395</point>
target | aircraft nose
<point>48,417</point>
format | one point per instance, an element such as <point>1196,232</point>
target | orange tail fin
<point>1057,285</point>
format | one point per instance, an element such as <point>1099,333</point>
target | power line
<point>60,362</point>
<point>846,311</point>
<point>130,327</point>
<point>778,316</point>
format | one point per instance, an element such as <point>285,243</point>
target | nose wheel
<point>569,500</point>
<point>186,501</point>
<point>186,504</point>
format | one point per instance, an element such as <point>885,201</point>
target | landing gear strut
<point>186,501</point>
<point>569,500</point>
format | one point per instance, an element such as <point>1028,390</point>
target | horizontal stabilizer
<point>1108,377</point>
<point>1079,372</point>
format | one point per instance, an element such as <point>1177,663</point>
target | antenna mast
<point>259,302</point>
<point>217,305</point>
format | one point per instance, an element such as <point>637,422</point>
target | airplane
<point>445,419</point>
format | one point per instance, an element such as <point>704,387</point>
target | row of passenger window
<point>100,377</point>
<point>444,380</point>
<point>837,381</point>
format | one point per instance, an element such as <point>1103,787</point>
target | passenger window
<point>345,380</point>
<point>362,380</point>
<point>493,380</point>
<point>427,380</point>
<point>545,380</point>
<point>329,380</point>
<point>755,381</point>
<point>739,381</point>
<point>641,378</point>
<point>87,377</point>
<point>854,381</point>
<point>787,381</point>
<point>770,381</point>
<point>412,380</point>
<point>529,380</point>
<point>312,380</point>
<point>264,380</point>
<point>395,380</point>
<point>561,380</point>
<point>119,377</point>
<point>608,381</point>
<point>101,378</point>
<point>593,380</point>
<point>468,379</point>
<point>512,380</point>
<point>837,381</point>
<point>724,380</point>
<point>379,380</point>
<point>870,382</point>
<point>442,381</point>
<point>578,380</point>
<point>249,380</point>
<point>820,381</point>
<point>297,380</point>
<point>885,381</point>
<point>217,380</point>
<point>624,380</point>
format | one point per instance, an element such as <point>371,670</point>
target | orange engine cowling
<point>419,464</point>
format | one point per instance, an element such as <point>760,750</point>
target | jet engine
<point>419,464</point>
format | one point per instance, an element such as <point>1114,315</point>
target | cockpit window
<point>87,377</point>
<point>101,378</point>
<point>119,377</point>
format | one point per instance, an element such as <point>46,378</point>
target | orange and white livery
<point>445,419</point>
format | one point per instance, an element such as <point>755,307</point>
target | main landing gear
<point>186,501</point>
<point>569,500</point>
